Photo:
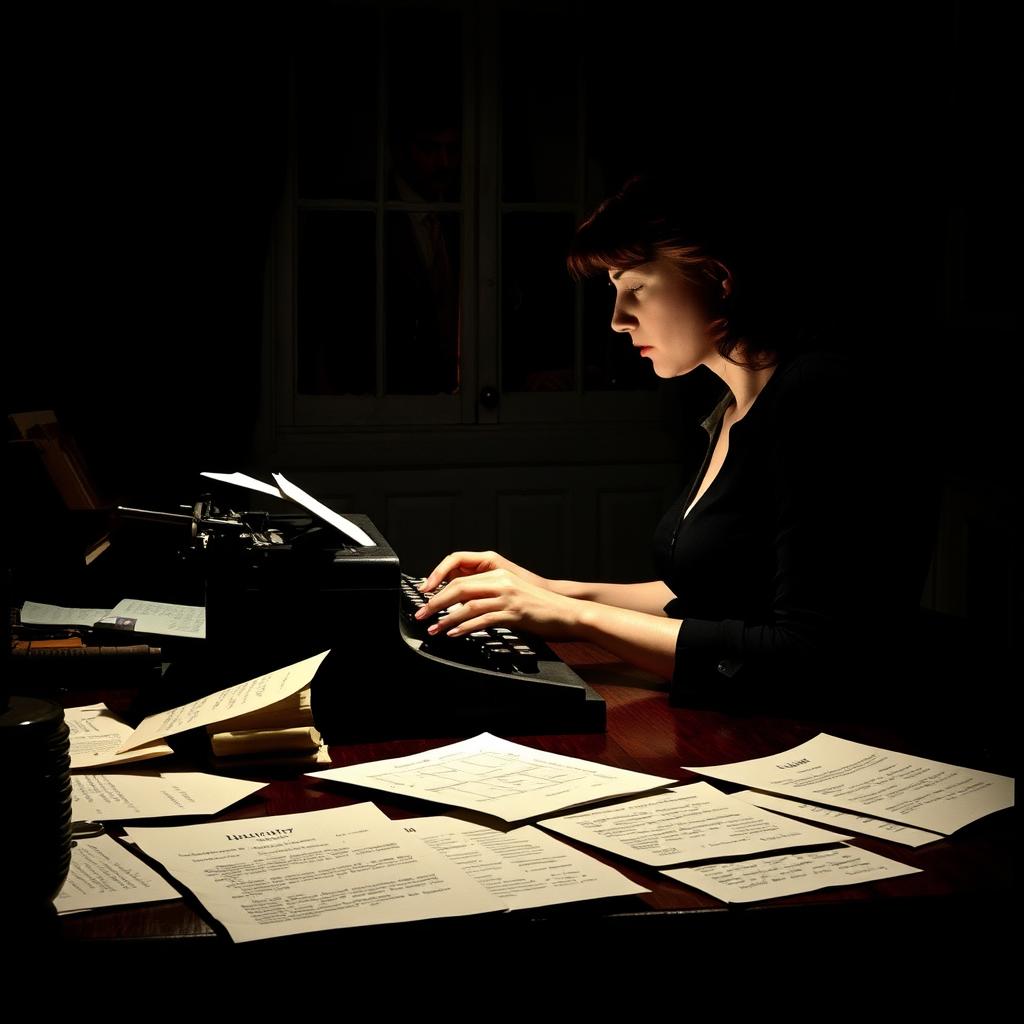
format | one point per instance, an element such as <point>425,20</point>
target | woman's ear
<point>725,279</point>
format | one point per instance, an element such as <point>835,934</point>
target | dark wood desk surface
<point>967,877</point>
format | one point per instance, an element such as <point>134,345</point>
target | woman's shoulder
<point>813,369</point>
<point>815,382</point>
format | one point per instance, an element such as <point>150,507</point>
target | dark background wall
<point>148,144</point>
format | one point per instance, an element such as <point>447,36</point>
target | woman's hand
<point>472,563</point>
<point>498,597</point>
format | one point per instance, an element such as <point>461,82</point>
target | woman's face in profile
<point>662,313</point>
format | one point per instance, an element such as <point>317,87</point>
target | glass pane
<point>422,302</point>
<point>337,303</point>
<point>539,81</point>
<point>610,363</point>
<point>424,106</point>
<point>336,104</point>
<point>537,303</point>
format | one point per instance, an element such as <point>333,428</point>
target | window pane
<point>422,300</point>
<point>424,106</point>
<point>336,104</point>
<point>537,303</point>
<point>610,363</point>
<point>539,105</point>
<point>336,303</point>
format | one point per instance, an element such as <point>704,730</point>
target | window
<point>429,360</point>
<point>439,164</point>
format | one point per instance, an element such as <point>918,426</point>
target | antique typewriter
<point>280,588</point>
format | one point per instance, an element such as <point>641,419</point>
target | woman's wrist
<point>570,588</point>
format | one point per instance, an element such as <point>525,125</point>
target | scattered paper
<point>104,874</point>
<point>524,867</point>
<point>767,878</point>
<point>130,614</point>
<point>882,783</point>
<point>291,873</point>
<point>489,774</point>
<point>154,795</point>
<point>235,700</point>
<point>244,480</point>
<point>691,822</point>
<point>841,819</point>
<point>35,614</point>
<point>97,734</point>
<point>156,617</point>
<point>328,515</point>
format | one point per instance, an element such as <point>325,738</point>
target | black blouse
<point>804,556</point>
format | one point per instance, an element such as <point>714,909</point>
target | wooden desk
<point>966,879</point>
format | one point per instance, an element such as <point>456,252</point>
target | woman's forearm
<point>645,640</point>
<point>641,597</point>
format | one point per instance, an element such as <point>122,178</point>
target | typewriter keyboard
<point>497,648</point>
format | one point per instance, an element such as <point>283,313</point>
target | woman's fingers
<point>467,588</point>
<point>465,618</point>
<point>459,563</point>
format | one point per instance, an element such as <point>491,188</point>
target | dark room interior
<point>218,216</point>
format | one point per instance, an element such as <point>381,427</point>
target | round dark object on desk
<point>35,789</point>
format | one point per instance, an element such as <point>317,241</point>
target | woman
<point>776,572</point>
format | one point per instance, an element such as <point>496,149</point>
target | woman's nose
<point>621,320</point>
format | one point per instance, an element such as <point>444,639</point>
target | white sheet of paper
<point>104,874</point>
<point>693,822</point>
<point>97,734</point>
<point>524,867</point>
<point>882,783</point>
<point>154,795</point>
<point>249,482</point>
<point>159,617</point>
<point>490,774</point>
<point>840,819</point>
<point>767,878</point>
<point>337,868</point>
<point>35,614</point>
<point>235,700</point>
<point>328,515</point>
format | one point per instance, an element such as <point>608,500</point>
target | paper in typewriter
<point>290,873</point>
<point>492,775</point>
<point>283,488</point>
<point>871,780</point>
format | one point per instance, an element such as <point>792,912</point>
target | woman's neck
<point>744,383</point>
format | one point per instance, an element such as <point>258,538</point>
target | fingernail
<point>420,613</point>
<point>433,629</point>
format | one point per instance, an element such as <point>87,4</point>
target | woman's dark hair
<point>737,271</point>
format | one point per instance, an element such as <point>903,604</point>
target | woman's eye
<point>636,288</point>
